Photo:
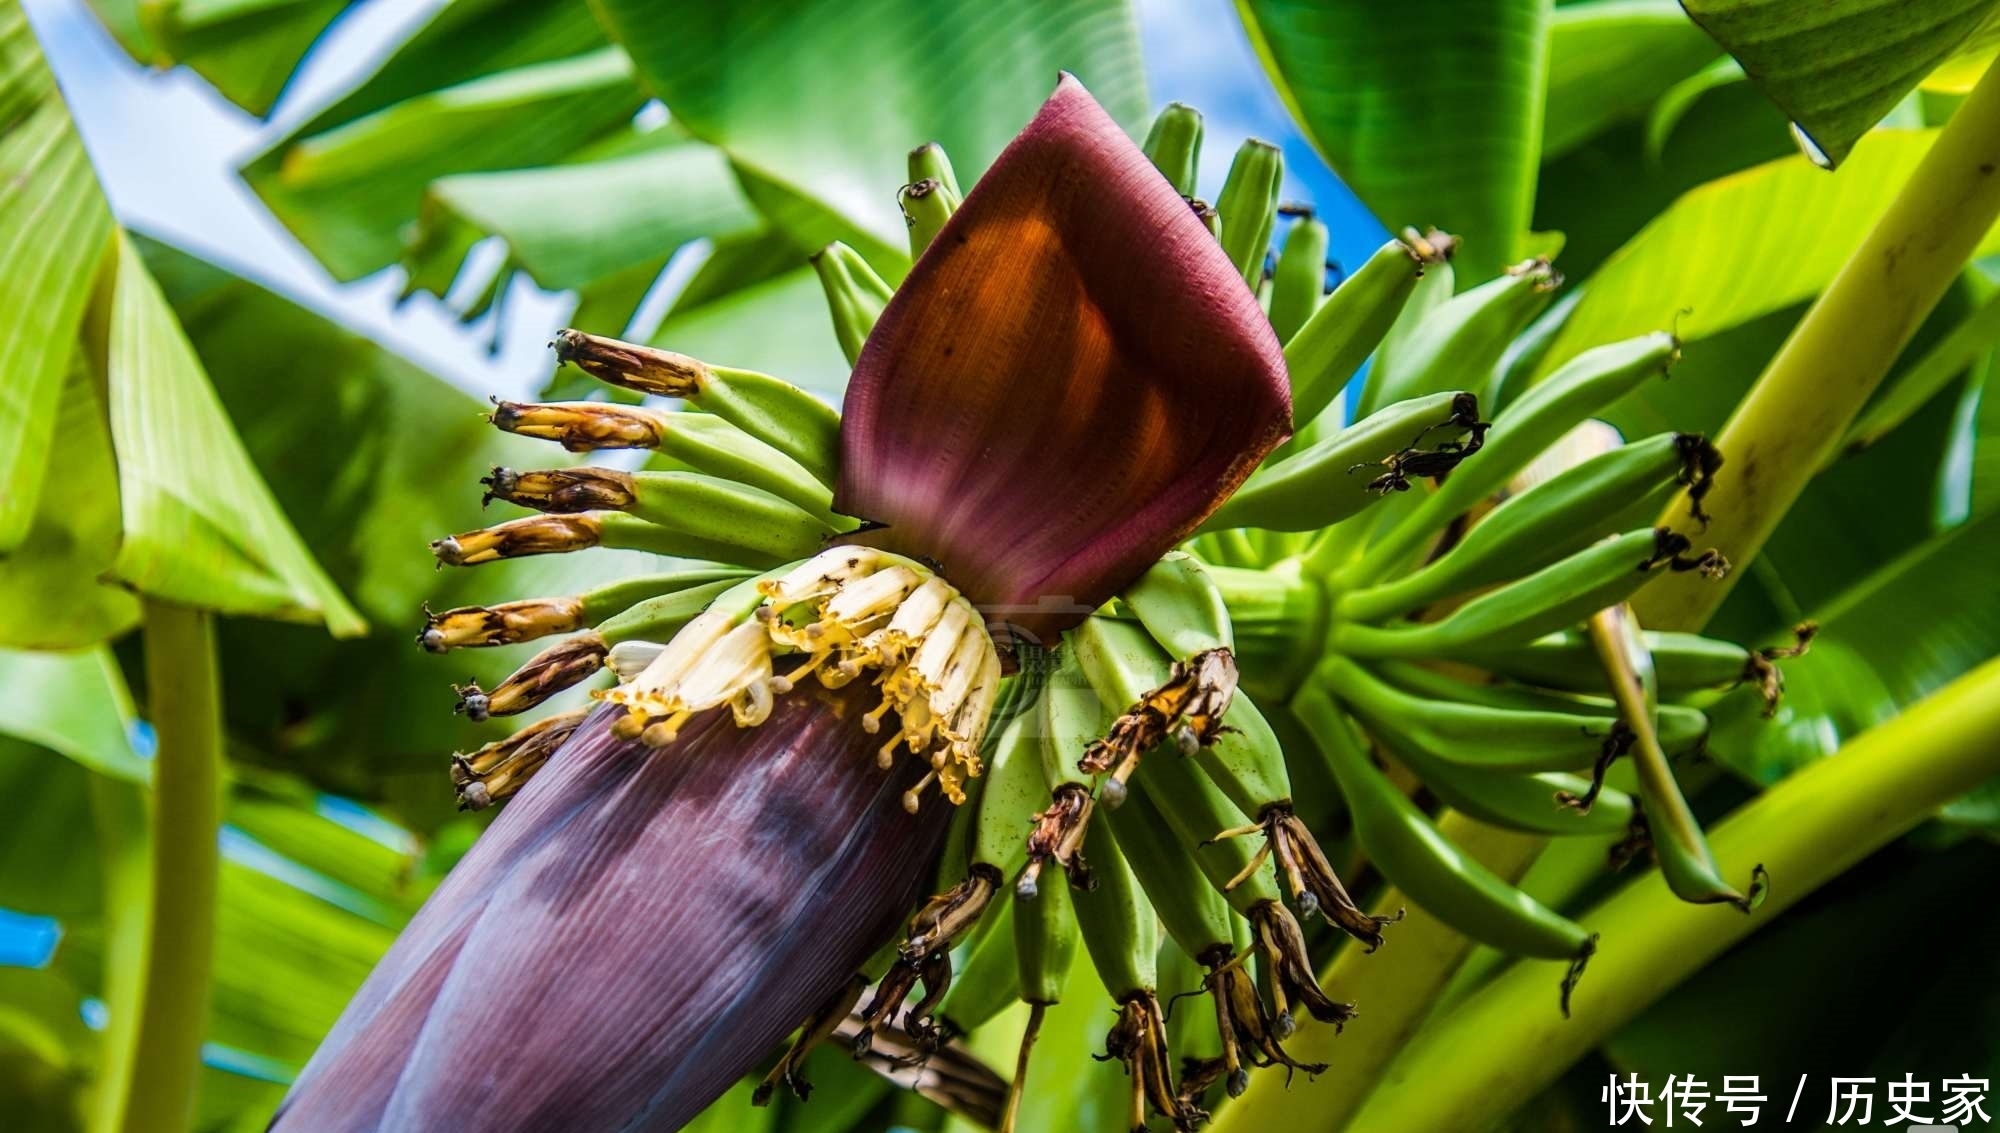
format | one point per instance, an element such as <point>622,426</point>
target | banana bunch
<point>1421,594</point>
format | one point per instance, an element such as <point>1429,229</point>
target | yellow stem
<point>1809,395</point>
<point>159,1008</point>
<point>1809,829</point>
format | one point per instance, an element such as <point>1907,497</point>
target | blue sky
<point>167,148</point>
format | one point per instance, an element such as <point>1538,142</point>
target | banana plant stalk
<point>1071,379</point>
<point>1809,829</point>
<point>159,978</point>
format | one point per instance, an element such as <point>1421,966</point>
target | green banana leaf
<point>52,577</point>
<point>73,703</point>
<point>824,98</point>
<point>1431,111</point>
<point>480,85</point>
<point>347,187</point>
<point>53,226</point>
<point>1609,61</point>
<point>201,526</point>
<point>247,49</point>
<point>1836,67</point>
<point>1743,246</point>
<point>569,226</point>
<point>1601,193</point>
<point>195,525</point>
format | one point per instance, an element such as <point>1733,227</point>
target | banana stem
<point>1809,829</point>
<point>1802,406</point>
<point>1402,981</point>
<point>160,1013</point>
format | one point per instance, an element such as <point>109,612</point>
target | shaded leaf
<point>47,867</point>
<point>1886,643</point>
<point>53,228</point>
<point>45,1052</point>
<point>201,526</point>
<point>1835,67</point>
<point>1600,194</point>
<point>1610,60</point>
<point>825,97</point>
<point>1386,91</point>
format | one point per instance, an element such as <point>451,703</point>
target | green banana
<point>1174,145</point>
<point>1121,933</point>
<point>927,205</point>
<point>688,504</point>
<point>1533,803</point>
<point>929,161</point>
<point>1197,811</point>
<point>1321,484</point>
<point>558,534</point>
<point>1435,287</point>
<point>659,618</point>
<point>984,848</point>
<point>1510,738</point>
<point>1537,419</point>
<point>1542,525</point>
<point>1299,282</point>
<point>1669,825</point>
<point>1425,865</point>
<point>1249,206</point>
<point>1681,726</point>
<point>778,413</point>
<point>1186,699</point>
<point>1330,345</point>
<point>855,295</point>
<point>1181,606</point>
<point>1045,939</point>
<point>727,512</point>
<point>1191,911</point>
<point>1244,760</point>
<point>1553,598</point>
<point>712,446</point>
<point>1682,663</point>
<point>1548,804</point>
<point>1463,339</point>
<point>1072,718</point>
<point>983,982</point>
<point>1014,789</point>
<point>1277,619</point>
<point>510,623</point>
